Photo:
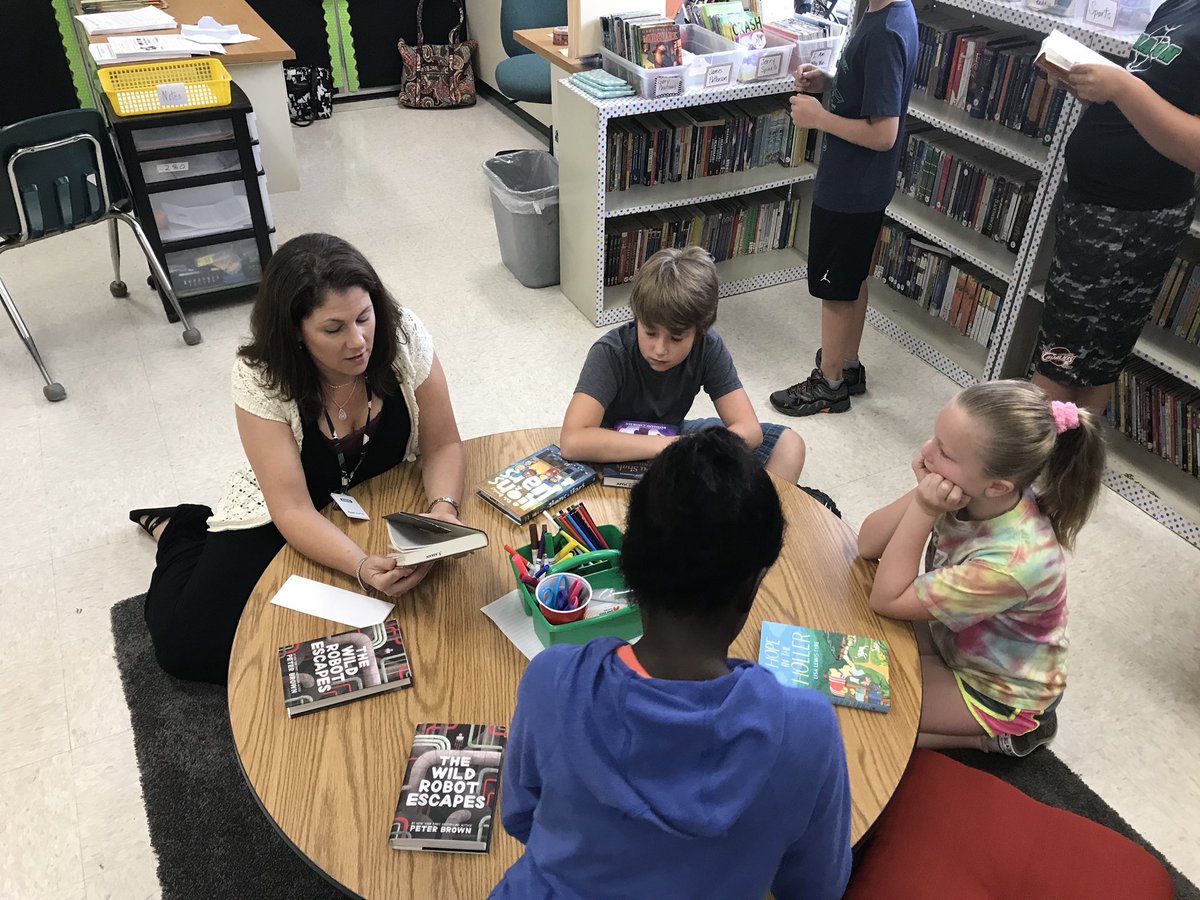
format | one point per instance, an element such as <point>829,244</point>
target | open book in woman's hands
<point>419,539</point>
<point>1059,52</point>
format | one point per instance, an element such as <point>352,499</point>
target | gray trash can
<point>524,186</point>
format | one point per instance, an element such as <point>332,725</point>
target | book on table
<point>521,490</point>
<point>343,667</point>
<point>448,798</point>
<point>627,474</point>
<point>849,669</point>
<point>420,539</point>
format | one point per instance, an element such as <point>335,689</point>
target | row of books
<point>730,20</point>
<point>645,38</point>
<point>938,283</point>
<point>944,173</point>
<point>1178,306</point>
<point>990,76</point>
<point>699,141</point>
<point>1160,412</point>
<point>725,228</point>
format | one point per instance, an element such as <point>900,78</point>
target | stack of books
<point>944,173</point>
<point>1178,306</point>
<point>1160,412</point>
<point>648,39</point>
<point>699,141</point>
<point>940,284</point>
<point>991,76</point>
<point>730,20</point>
<point>739,226</point>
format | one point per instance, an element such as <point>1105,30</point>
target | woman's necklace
<point>342,406</point>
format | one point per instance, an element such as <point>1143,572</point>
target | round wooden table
<point>330,780</point>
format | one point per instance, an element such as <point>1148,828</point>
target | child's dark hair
<point>702,524</point>
<point>1022,444</point>
<point>676,289</point>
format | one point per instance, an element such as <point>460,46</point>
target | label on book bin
<point>174,94</point>
<point>718,76</point>
<point>668,85</point>
<point>770,65</point>
<point>168,167</point>
<point>1102,13</point>
<point>821,58</point>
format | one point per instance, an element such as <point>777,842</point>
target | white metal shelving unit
<point>585,205</point>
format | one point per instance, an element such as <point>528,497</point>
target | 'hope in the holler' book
<point>448,800</point>
<point>848,669</point>
<point>343,667</point>
<point>537,482</point>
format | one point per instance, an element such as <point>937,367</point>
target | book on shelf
<point>536,482</point>
<point>1160,412</point>
<point>849,669</point>
<point>343,667</point>
<point>1059,52</point>
<point>419,539</point>
<point>627,474</point>
<point>448,798</point>
<point>1177,308</point>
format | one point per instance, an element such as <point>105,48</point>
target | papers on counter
<point>148,19</point>
<point>147,47</point>
<point>209,31</point>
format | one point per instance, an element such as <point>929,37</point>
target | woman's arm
<point>1168,129</point>
<point>271,449</point>
<point>581,436</point>
<point>443,457</point>
<point>737,412</point>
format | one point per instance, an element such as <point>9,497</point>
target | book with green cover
<point>849,669</point>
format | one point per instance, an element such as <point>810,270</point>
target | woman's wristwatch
<point>450,500</point>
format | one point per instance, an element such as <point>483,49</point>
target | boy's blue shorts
<point>762,452</point>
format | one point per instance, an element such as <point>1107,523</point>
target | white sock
<point>834,383</point>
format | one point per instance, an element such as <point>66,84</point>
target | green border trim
<point>340,36</point>
<point>79,74</point>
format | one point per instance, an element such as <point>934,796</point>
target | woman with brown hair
<point>338,384</point>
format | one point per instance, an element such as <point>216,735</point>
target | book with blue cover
<point>849,669</point>
<point>543,479</point>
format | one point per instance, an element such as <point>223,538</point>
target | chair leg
<point>190,335</point>
<point>117,288</point>
<point>53,391</point>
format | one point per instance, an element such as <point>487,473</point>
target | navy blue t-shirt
<point>874,79</point>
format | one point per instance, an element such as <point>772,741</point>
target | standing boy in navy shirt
<point>864,128</point>
<point>667,769</point>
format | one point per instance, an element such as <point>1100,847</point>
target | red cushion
<point>953,831</point>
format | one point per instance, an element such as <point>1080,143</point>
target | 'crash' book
<point>448,800</point>
<point>848,669</point>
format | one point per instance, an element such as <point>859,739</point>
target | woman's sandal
<point>150,519</point>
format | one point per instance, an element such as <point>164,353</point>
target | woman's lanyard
<point>348,476</point>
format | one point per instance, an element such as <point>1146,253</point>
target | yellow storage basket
<point>169,86</point>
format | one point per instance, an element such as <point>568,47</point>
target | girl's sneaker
<point>1024,744</point>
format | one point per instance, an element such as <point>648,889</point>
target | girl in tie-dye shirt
<point>1004,484</point>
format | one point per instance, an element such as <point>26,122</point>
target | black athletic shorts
<point>1108,269</point>
<point>840,248</point>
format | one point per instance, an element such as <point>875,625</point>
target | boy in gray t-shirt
<point>651,369</point>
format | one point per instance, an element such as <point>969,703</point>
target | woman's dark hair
<point>297,279</point>
<point>702,524</point>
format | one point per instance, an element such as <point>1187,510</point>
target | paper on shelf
<point>328,602</point>
<point>509,615</point>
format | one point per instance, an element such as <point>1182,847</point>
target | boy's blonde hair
<point>1021,443</point>
<point>677,290</point>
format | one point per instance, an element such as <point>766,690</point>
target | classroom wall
<point>35,77</point>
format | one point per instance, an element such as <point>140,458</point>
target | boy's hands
<point>807,111</point>
<point>936,495</point>
<point>810,79</point>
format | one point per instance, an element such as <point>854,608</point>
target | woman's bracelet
<point>358,574</point>
<point>450,500</point>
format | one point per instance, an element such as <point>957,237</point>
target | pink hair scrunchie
<point>1066,415</point>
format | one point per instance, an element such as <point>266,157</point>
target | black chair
<point>61,173</point>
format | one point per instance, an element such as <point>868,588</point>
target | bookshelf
<point>585,206</point>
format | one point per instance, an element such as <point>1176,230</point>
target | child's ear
<point>998,488</point>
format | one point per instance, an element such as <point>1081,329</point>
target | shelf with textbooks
<point>990,255</point>
<point>737,276</point>
<point>925,335</point>
<point>1098,38</point>
<point>1026,150</point>
<point>714,187</point>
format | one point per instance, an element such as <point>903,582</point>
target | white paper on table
<point>149,18</point>
<point>509,615</point>
<point>209,30</point>
<point>328,602</point>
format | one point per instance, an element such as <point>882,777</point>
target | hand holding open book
<point>1091,77</point>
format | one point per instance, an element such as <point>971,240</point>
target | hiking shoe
<point>812,396</point>
<point>823,498</point>
<point>854,376</point>
<point>1024,744</point>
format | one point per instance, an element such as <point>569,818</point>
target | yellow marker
<point>568,548</point>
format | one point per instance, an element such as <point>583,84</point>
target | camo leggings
<point>1108,269</point>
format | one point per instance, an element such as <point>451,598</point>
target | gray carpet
<point>213,840</point>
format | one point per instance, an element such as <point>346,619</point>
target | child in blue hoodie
<point>666,769</point>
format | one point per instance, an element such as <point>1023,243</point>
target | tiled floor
<point>148,421</point>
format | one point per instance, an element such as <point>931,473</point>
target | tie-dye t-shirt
<point>997,591</point>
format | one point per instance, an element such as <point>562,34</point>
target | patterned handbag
<point>437,76</point>
<point>309,93</point>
